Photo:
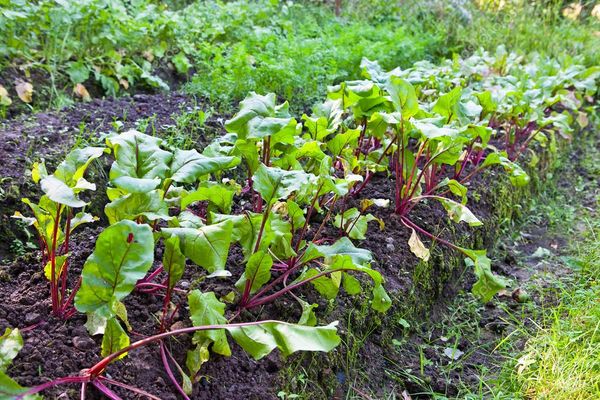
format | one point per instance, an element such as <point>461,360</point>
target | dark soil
<point>49,135</point>
<point>50,341</point>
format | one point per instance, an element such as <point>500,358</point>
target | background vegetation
<point>222,50</point>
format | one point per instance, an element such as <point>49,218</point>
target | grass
<point>553,352</point>
<point>561,360</point>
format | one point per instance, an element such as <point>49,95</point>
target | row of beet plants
<point>430,129</point>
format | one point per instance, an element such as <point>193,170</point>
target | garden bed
<point>419,276</point>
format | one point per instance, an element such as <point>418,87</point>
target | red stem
<point>53,286</point>
<point>172,378</point>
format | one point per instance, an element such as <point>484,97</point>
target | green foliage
<point>123,255</point>
<point>11,343</point>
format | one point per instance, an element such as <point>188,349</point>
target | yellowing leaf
<point>417,247</point>
<point>24,90</point>
<point>582,119</point>
<point>124,83</point>
<point>4,97</point>
<point>81,92</point>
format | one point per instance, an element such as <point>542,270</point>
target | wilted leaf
<point>24,90</point>
<point>417,247</point>
<point>81,92</point>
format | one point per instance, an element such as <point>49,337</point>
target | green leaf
<point>181,62</point>
<point>196,358</point>
<point>60,192</point>
<point>123,255</point>
<point>78,72</point>
<point>341,141</point>
<point>447,104</point>
<point>258,272</point>
<point>295,214</point>
<point>381,301</point>
<point>58,266</point>
<point>516,174</point>
<point>345,247</point>
<point>260,117</point>
<point>207,246</point>
<point>432,131</point>
<point>260,340</point>
<point>403,96</point>
<point>73,167</point>
<point>488,284</point>
<point>140,163</point>
<point>149,205</point>
<point>189,165</point>
<point>10,345</point>
<point>114,339</point>
<point>173,260</point>
<point>275,183</point>
<point>355,224</point>
<point>219,195</point>
<point>458,212</point>
<point>9,389</point>
<point>325,119</point>
<point>328,286</point>
<point>206,309</point>
<point>308,316</point>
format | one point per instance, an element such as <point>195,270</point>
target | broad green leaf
<point>258,272</point>
<point>173,260</point>
<point>46,213</point>
<point>140,163</point>
<point>189,165</point>
<point>60,192</point>
<point>206,309</point>
<point>345,247</point>
<point>207,246</point>
<point>114,339</point>
<point>457,189</point>
<point>9,389</point>
<point>82,218</point>
<point>381,301</point>
<point>308,316</point>
<point>355,223</point>
<point>11,343</point>
<point>341,141</point>
<point>123,255</point>
<point>325,119</point>
<point>275,183</point>
<point>447,104</point>
<point>488,284</point>
<point>516,174</point>
<point>38,171</point>
<point>149,205</point>
<point>295,214</point>
<point>260,340</point>
<point>432,131</point>
<point>219,195</point>
<point>459,212</point>
<point>260,117</point>
<point>328,286</point>
<point>196,358</point>
<point>76,163</point>
<point>403,96</point>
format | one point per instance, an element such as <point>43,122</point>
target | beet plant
<point>54,219</point>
